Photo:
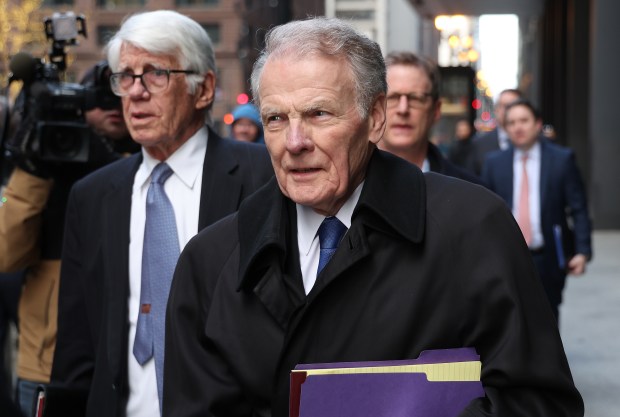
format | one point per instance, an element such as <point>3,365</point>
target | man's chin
<point>398,142</point>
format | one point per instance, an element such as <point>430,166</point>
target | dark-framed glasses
<point>154,81</point>
<point>414,101</point>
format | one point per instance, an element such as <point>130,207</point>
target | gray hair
<point>426,65</point>
<point>166,33</point>
<point>327,37</point>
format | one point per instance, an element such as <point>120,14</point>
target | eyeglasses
<point>154,81</point>
<point>414,101</point>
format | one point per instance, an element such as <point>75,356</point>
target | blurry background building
<point>566,64</point>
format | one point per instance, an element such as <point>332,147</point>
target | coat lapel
<point>505,173</point>
<point>264,244</point>
<point>265,255</point>
<point>221,191</point>
<point>546,167</point>
<point>405,216</point>
<point>115,247</point>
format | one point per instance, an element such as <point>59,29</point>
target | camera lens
<point>64,142</point>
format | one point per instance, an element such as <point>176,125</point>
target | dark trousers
<point>552,278</point>
<point>10,289</point>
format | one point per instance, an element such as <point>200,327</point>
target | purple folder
<point>383,394</point>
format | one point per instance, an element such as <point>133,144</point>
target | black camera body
<point>52,124</point>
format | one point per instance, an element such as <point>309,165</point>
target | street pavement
<point>590,327</point>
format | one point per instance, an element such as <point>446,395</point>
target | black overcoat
<point>429,262</point>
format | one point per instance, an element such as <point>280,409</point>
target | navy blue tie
<point>330,233</point>
<point>159,257</point>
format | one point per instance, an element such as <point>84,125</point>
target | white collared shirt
<point>426,166</point>
<point>183,189</point>
<point>533,175</point>
<point>308,222</point>
<point>503,139</point>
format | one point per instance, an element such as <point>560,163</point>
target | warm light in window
<point>441,22</point>
<point>454,41</point>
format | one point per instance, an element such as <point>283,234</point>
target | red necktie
<point>523,211</point>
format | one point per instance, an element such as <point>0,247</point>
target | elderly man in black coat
<point>425,262</point>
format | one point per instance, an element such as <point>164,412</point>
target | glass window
<point>196,2</point>
<point>104,33</point>
<point>356,14</point>
<point>111,4</point>
<point>56,2</point>
<point>213,30</point>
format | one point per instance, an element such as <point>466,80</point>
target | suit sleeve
<point>260,164</point>
<point>578,206</point>
<point>74,355</point>
<point>24,200</point>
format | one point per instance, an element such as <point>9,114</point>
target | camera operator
<point>31,229</point>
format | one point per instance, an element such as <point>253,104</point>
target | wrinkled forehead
<point>407,78</point>
<point>331,65</point>
<point>506,98</point>
<point>131,55</point>
<point>519,111</point>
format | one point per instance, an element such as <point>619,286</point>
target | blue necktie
<point>159,257</point>
<point>330,233</point>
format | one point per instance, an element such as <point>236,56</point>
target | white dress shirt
<point>183,190</point>
<point>503,139</point>
<point>426,166</point>
<point>308,223</point>
<point>533,175</point>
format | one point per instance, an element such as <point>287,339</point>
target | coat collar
<point>393,199</point>
<point>436,161</point>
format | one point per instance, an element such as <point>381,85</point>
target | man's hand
<point>577,264</point>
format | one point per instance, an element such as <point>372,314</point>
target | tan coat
<point>21,206</point>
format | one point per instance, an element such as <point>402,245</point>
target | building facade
<point>222,19</point>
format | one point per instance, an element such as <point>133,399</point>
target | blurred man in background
<point>497,138</point>
<point>462,151</point>
<point>413,107</point>
<point>541,183</point>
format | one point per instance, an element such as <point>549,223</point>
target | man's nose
<point>137,89</point>
<point>403,104</point>
<point>297,139</point>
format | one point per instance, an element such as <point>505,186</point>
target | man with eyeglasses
<point>128,222</point>
<point>413,107</point>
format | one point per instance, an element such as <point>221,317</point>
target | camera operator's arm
<point>23,201</point>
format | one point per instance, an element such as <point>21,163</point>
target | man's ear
<point>205,91</point>
<point>437,110</point>
<point>539,125</point>
<point>377,119</point>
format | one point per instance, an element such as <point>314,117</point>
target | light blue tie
<point>159,257</point>
<point>330,233</point>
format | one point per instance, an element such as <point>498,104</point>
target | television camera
<point>52,125</point>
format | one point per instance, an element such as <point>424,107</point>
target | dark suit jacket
<point>562,197</point>
<point>484,144</point>
<point>91,349</point>
<point>429,262</point>
<point>441,165</point>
